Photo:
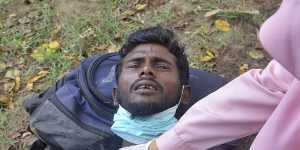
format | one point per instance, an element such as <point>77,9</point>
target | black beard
<point>145,108</point>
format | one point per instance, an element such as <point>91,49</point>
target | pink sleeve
<point>238,109</point>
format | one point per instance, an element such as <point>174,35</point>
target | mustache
<point>159,86</point>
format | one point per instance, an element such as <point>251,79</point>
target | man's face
<point>149,80</point>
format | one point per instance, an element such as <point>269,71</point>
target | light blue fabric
<point>139,130</point>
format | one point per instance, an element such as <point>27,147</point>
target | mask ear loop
<point>181,95</point>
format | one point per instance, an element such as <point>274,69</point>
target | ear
<point>114,96</point>
<point>186,95</point>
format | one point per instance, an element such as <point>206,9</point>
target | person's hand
<point>152,146</point>
<point>148,146</point>
<point>135,147</point>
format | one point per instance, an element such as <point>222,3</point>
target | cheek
<point>171,84</point>
<point>125,81</point>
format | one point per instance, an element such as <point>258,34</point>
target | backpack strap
<point>38,145</point>
<point>91,72</point>
<point>100,104</point>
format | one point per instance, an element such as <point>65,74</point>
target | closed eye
<point>162,66</point>
<point>132,65</point>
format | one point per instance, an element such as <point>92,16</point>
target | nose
<point>147,71</point>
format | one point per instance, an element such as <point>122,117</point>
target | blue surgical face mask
<point>139,130</point>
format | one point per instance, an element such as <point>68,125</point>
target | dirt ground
<point>228,49</point>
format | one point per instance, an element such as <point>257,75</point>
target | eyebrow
<point>141,58</point>
<point>158,59</point>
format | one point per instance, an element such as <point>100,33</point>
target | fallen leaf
<point>41,53</point>
<point>7,85</point>
<point>212,13</point>
<point>222,25</point>
<point>38,54</point>
<point>244,68</point>
<point>52,48</point>
<point>39,76</point>
<point>256,54</point>
<point>249,12</point>
<point>112,48</point>
<point>5,101</point>
<point>24,20</point>
<point>101,47</point>
<point>208,56</point>
<point>26,134</point>
<point>118,36</point>
<point>12,73</point>
<point>127,13</point>
<point>17,83</point>
<point>44,46</point>
<point>231,13</point>
<point>140,7</point>
<point>2,67</point>
<point>12,15</point>
<point>181,25</point>
<point>54,45</point>
<point>11,105</point>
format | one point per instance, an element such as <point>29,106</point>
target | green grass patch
<point>58,65</point>
<point>45,27</point>
<point>4,140</point>
<point>3,2</point>
<point>162,15</point>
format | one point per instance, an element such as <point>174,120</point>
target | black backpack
<point>77,112</point>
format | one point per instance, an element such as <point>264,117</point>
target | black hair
<point>161,36</point>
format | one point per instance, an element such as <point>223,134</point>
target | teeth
<point>146,87</point>
<point>151,87</point>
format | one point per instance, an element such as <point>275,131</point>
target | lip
<point>137,88</point>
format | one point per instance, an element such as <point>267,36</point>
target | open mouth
<point>145,86</point>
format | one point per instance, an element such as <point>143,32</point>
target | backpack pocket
<point>63,127</point>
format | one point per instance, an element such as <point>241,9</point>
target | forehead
<point>152,51</point>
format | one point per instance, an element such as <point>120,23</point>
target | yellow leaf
<point>54,45</point>
<point>11,105</point>
<point>222,25</point>
<point>17,83</point>
<point>38,54</point>
<point>50,51</point>
<point>244,68</point>
<point>39,76</point>
<point>256,54</point>
<point>43,72</point>
<point>127,13</point>
<point>140,7</point>
<point>12,74</point>
<point>208,56</point>
<point>45,46</point>
<point>41,53</point>
<point>13,82</point>
<point>5,100</point>
<point>9,85</point>
<point>2,67</point>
